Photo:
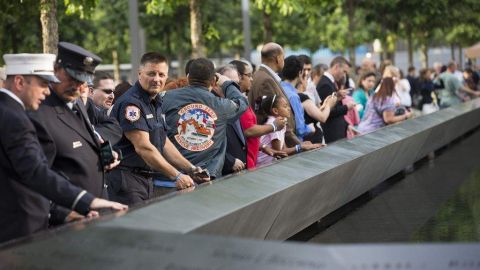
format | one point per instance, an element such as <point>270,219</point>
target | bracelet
<point>274,127</point>
<point>298,148</point>
<point>178,176</point>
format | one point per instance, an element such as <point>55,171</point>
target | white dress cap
<point>31,64</point>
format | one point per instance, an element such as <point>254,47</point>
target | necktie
<point>76,111</point>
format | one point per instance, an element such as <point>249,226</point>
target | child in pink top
<point>276,106</point>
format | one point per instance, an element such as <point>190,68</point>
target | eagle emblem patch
<point>195,127</point>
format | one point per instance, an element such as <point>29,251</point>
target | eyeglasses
<point>107,91</point>
<point>249,75</point>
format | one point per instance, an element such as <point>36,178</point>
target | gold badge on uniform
<point>132,113</point>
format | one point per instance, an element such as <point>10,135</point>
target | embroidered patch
<point>196,127</point>
<point>132,113</point>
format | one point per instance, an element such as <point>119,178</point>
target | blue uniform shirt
<point>136,110</point>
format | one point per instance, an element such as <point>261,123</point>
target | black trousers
<point>129,188</point>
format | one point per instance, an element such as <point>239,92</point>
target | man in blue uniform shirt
<point>197,119</point>
<point>25,177</point>
<point>146,149</point>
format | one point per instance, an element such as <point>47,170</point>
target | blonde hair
<point>391,71</point>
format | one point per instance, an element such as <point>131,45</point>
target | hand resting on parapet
<point>278,154</point>
<point>200,175</point>
<point>96,204</point>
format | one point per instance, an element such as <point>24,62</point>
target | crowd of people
<point>74,143</point>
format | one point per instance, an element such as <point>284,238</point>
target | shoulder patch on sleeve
<point>132,113</point>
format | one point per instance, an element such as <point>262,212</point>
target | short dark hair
<point>451,64</point>
<point>318,70</point>
<point>411,68</point>
<point>423,74</point>
<point>292,68</point>
<point>187,66</point>
<point>101,75</point>
<point>121,89</point>
<point>339,60</point>
<point>305,59</point>
<point>240,65</point>
<point>201,71</point>
<point>153,57</point>
<point>363,76</point>
<point>468,70</point>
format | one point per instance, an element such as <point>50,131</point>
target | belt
<point>138,171</point>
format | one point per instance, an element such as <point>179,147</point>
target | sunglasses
<point>107,91</point>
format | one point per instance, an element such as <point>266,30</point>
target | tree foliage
<point>340,25</point>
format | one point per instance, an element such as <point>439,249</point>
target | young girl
<point>276,106</point>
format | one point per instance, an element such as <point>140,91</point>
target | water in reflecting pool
<point>456,220</point>
<point>439,201</point>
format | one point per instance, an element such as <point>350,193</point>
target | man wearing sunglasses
<point>102,92</point>
<point>99,100</point>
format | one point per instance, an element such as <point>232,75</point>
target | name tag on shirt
<point>77,144</point>
<point>149,116</point>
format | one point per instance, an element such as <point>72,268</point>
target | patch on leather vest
<point>196,127</point>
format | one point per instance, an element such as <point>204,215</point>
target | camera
<point>202,174</point>
<point>106,153</point>
<point>400,111</point>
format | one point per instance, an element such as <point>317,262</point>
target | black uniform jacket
<point>106,126</point>
<point>335,128</point>
<point>25,176</point>
<point>71,147</point>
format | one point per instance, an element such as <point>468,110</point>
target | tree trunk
<point>452,51</point>
<point>116,67</point>
<point>424,56</point>
<point>350,6</point>
<point>247,37</point>
<point>198,49</point>
<point>48,18</point>
<point>410,48</point>
<point>168,42</point>
<point>181,64</point>
<point>391,47</point>
<point>460,57</point>
<point>267,28</point>
<point>391,56</point>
